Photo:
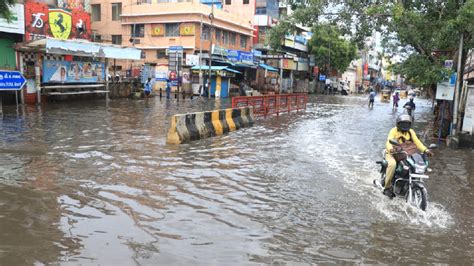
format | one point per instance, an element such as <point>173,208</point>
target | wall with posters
<point>43,21</point>
<point>56,71</point>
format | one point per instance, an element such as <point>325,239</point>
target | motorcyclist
<point>402,133</point>
<point>411,105</point>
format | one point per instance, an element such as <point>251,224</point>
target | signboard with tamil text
<point>11,80</point>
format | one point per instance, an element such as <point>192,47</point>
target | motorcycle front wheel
<point>419,198</point>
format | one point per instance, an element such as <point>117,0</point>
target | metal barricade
<point>272,104</point>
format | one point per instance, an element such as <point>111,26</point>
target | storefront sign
<point>161,73</point>
<point>192,60</point>
<point>233,55</point>
<point>288,64</point>
<point>322,77</point>
<point>217,50</point>
<point>11,80</point>
<point>445,89</point>
<point>75,4</point>
<point>303,64</point>
<point>157,30</point>
<point>17,23</point>
<point>186,29</point>
<point>246,57</point>
<point>42,22</point>
<point>55,71</point>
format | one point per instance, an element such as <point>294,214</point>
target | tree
<point>330,49</point>
<point>5,9</point>
<point>417,29</point>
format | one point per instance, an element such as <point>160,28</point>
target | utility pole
<point>456,90</point>
<point>201,82</point>
<point>211,17</point>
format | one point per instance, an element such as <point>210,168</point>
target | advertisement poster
<point>157,30</point>
<point>186,29</point>
<point>72,4</point>
<point>42,22</point>
<point>55,71</point>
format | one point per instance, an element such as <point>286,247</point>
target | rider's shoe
<point>389,193</point>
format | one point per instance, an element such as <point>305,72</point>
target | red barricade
<point>272,104</point>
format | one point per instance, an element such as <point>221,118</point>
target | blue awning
<point>268,68</point>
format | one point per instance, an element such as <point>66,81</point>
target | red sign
<point>172,75</point>
<point>42,22</point>
<point>366,69</point>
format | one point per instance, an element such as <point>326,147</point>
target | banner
<point>157,30</point>
<point>186,29</point>
<point>17,23</point>
<point>75,4</point>
<point>42,22</point>
<point>55,71</point>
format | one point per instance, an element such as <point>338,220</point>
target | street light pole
<point>456,90</point>
<point>211,17</point>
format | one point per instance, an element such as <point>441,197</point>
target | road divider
<point>194,126</point>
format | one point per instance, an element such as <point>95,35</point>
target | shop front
<point>55,68</point>
<point>220,79</point>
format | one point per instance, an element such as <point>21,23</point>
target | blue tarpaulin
<point>268,68</point>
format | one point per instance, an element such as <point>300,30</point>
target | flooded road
<point>90,183</point>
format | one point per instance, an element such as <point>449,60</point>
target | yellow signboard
<point>187,29</point>
<point>157,30</point>
<point>60,22</point>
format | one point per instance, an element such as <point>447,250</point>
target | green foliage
<point>5,10</point>
<point>414,29</point>
<point>331,51</point>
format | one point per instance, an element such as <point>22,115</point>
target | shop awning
<point>215,68</point>
<point>268,68</point>
<point>85,48</point>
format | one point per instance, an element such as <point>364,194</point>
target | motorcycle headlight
<point>420,169</point>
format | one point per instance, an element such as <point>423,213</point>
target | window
<point>95,14</point>
<point>228,2</point>
<point>218,35</point>
<point>116,11</point>
<point>96,38</point>
<point>172,29</point>
<point>233,38</point>
<point>246,2</point>
<point>225,37</point>
<point>143,54</point>
<point>261,10</point>
<point>206,32</point>
<point>243,41</point>
<point>160,54</point>
<point>138,30</point>
<point>117,39</point>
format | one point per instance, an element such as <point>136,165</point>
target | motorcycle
<point>408,178</point>
<point>409,111</point>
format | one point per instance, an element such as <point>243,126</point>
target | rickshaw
<point>385,96</point>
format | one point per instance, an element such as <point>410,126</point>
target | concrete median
<point>194,126</point>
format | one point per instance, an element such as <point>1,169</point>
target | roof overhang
<point>84,48</point>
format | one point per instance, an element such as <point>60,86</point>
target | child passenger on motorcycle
<point>402,133</point>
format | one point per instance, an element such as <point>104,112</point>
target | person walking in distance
<point>148,88</point>
<point>396,99</point>
<point>168,89</point>
<point>371,98</point>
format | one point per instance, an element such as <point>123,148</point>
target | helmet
<point>404,122</point>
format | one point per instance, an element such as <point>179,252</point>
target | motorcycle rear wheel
<point>419,198</point>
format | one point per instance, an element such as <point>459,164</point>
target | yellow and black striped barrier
<point>201,125</point>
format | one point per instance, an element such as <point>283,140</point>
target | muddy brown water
<point>94,183</point>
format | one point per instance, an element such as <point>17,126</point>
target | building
<point>164,30</point>
<point>11,33</point>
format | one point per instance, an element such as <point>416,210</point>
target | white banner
<point>17,25</point>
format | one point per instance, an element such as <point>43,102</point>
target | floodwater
<point>93,183</point>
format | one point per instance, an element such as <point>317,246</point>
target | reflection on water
<point>96,183</point>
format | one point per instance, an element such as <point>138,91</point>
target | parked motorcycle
<point>409,175</point>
